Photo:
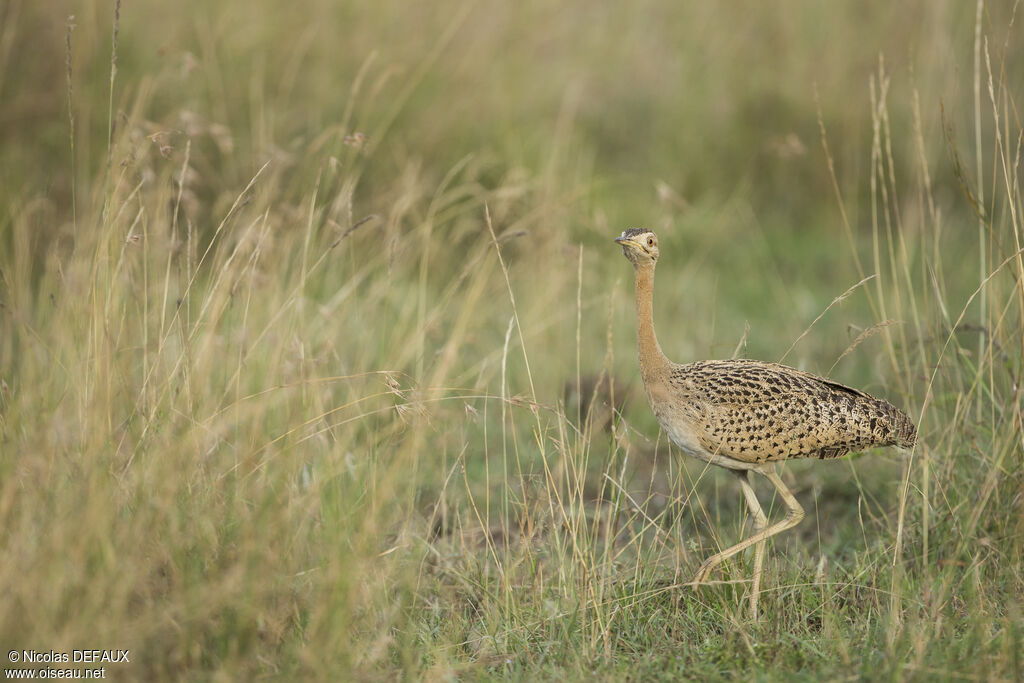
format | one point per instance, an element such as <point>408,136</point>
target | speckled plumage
<point>752,412</point>
<point>745,415</point>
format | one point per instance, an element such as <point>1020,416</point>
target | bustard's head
<point>639,245</point>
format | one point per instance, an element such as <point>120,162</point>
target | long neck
<point>653,362</point>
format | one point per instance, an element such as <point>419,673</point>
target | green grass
<point>278,402</point>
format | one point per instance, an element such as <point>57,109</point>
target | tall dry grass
<point>305,374</point>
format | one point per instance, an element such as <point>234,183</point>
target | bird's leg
<point>796,513</point>
<point>760,524</point>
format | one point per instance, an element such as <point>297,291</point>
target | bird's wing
<point>753,411</point>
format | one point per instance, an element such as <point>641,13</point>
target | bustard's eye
<point>650,241</point>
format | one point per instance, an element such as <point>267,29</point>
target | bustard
<point>744,415</point>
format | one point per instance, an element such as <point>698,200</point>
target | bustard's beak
<point>624,242</point>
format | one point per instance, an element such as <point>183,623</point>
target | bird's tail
<point>904,430</point>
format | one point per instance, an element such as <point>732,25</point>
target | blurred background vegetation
<point>272,404</point>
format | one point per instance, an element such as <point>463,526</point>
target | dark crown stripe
<point>632,232</point>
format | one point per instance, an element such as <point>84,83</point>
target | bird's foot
<point>704,571</point>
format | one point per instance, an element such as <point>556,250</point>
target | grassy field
<point>311,327</point>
